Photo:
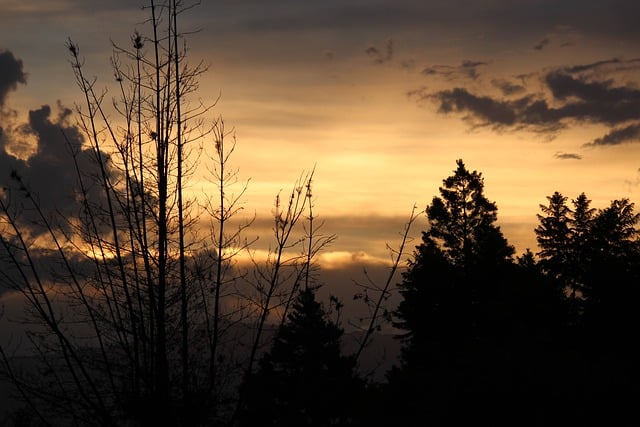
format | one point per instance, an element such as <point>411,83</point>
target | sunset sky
<point>381,97</point>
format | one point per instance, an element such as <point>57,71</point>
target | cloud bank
<point>41,156</point>
<point>594,93</point>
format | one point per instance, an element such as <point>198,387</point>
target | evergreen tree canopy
<point>471,316</point>
<point>613,265</point>
<point>460,266</point>
<point>553,234</point>
<point>463,220</point>
<point>304,380</point>
<point>584,248</point>
<point>595,256</point>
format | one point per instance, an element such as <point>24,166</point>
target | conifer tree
<point>456,304</point>
<point>304,380</point>
<point>462,220</point>
<point>553,235</point>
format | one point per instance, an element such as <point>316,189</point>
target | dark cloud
<point>49,174</point>
<point>48,265</point>
<point>70,8</point>
<point>601,100</point>
<point>408,64</point>
<point>381,55</point>
<point>467,69</point>
<point>617,63</point>
<point>619,136</point>
<point>329,54</point>
<point>484,108</point>
<point>542,44</point>
<point>282,15</point>
<point>589,93</point>
<point>11,74</point>
<point>567,156</point>
<point>615,19</point>
<point>36,156</point>
<point>507,87</point>
<point>560,35</point>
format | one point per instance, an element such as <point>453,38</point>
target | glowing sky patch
<point>382,97</point>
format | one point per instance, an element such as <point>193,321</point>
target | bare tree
<point>115,332</point>
<point>134,310</point>
<point>288,266</point>
<point>375,294</point>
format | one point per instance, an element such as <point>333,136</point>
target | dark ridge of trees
<point>474,318</point>
<point>545,339</point>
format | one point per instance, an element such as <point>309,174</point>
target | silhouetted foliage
<point>478,326</point>
<point>553,235</point>
<point>304,379</point>
<point>594,256</point>
<point>135,314</point>
<point>462,221</point>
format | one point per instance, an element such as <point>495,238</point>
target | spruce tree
<point>457,309</point>
<point>462,220</point>
<point>304,380</point>
<point>553,235</point>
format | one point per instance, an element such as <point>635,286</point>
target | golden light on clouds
<point>332,260</point>
<point>382,107</point>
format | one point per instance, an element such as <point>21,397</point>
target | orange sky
<point>360,92</point>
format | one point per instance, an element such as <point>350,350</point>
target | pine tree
<point>304,380</point>
<point>595,256</point>
<point>553,235</point>
<point>457,308</point>
<point>579,244</point>
<point>462,220</point>
<point>613,262</point>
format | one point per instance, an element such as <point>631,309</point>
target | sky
<point>380,97</point>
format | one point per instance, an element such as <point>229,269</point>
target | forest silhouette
<point>152,324</point>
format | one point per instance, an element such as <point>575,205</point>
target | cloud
<point>618,136</point>
<point>37,157</point>
<point>597,101</point>
<point>561,35</point>
<point>506,87</point>
<point>615,19</point>
<point>408,64</point>
<point>466,70</point>
<point>478,110</point>
<point>567,156</point>
<point>332,260</point>
<point>618,63</point>
<point>49,173</point>
<point>66,8</point>
<point>542,44</point>
<point>382,55</point>
<point>11,74</point>
<point>588,93</point>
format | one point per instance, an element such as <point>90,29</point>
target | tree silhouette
<point>613,268</point>
<point>581,224</point>
<point>563,236</point>
<point>594,257</point>
<point>462,221</point>
<point>553,234</point>
<point>136,316</point>
<point>304,379</point>
<point>466,309</point>
<point>610,318</point>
